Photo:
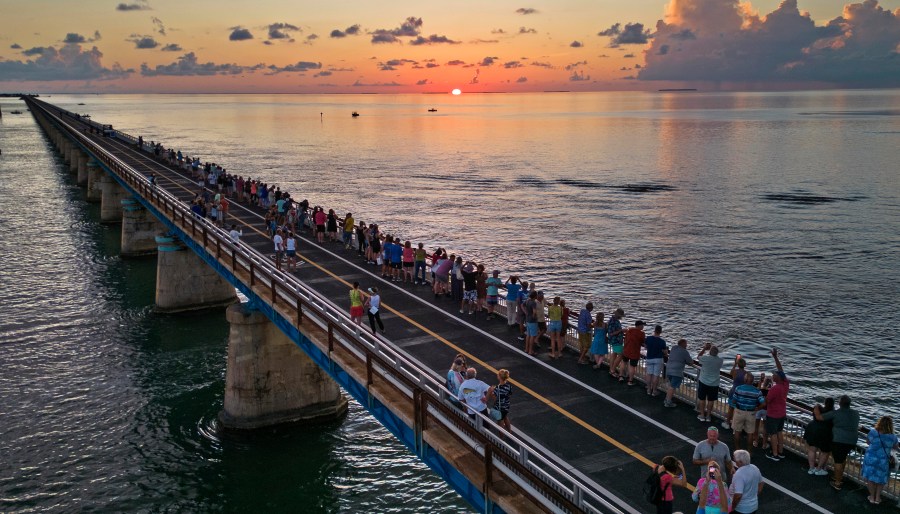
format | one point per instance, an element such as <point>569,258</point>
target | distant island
<point>17,95</point>
<point>676,90</point>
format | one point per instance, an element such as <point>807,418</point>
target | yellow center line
<point>546,401</point>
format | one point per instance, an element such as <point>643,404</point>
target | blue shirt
<point>512,291</point>
<point>614,325</point>
<point>655,346</point>
<point>584,321</point>
<point>396,253</point>
<point>746,397</point>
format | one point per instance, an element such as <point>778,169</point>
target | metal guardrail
<point>532,469</point>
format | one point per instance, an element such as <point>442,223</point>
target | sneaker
<point>811,471</point>
<point>460,311</point>
<point>772,456</point>
<point>669,404</point>
<point>781,457</point>
<point>520,338</point>
<point>821,472</point>
<point>835,485</point>
<point>701,417</point>
<point>726,425</point>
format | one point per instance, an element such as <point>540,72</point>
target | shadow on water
<point>804,198</point>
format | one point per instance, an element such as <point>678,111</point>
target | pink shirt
<point>776,400</point>
<point>409,254</point>
<point>665,482</point>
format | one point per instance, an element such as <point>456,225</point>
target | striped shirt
<point>747,397</point>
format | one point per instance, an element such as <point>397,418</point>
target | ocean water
<point>749,220</point>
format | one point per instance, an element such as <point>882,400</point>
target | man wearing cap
<point>493,289</point>
<point>776,411</point>
<point>634,340</point>
<point>679,357</point>
<point>711,449</point>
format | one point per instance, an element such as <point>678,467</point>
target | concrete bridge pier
<point>65,149</point>
<point>269,380</point>
<point>94,174</point>
<point>139,230</point>
<point>73,159</point>
<point>112,195</point>
<point>184,282</point>
<point>81,165</point>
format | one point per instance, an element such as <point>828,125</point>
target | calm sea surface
<point>747,220</point>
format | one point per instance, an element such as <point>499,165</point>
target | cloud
<point>456,62</point>
<point>352,30</point>
<point>433,39</point>
<point>488,61</point>
<point>522,79</point>
<point>628,56</point>
<point>526,10</point>
<point>299,67</point>
<point>630,34</point>
<point>72,37</point>
<point>159,25</point>
<point>575,65</point>
<point>143,42</point>
<point>240,34</point>
<point>376,84</point>
<point>172,47</point>
<point>278,30</point>
<point>498,31</point>
<point>422,82</point>
<point>137,6</point>
<point>268,43</point>
<point>323,73</point>
<point>69,62</point>
<point>523,30</point>
<point>578,76</point>
<point>16,46</point>
<point>542,64</point>
<point>483,41</point>
<point>409,28</point>
<point>512,64</point>
<point>432,65</point>
<point>728,43</point>
<point>310,38</point>
<point>576,44</point>
<point>188,65</point>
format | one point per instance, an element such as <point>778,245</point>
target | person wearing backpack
<point>658,489</point>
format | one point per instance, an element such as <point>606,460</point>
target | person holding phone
<point>711,492</point>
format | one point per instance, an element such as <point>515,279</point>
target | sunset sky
<point>389,46</point>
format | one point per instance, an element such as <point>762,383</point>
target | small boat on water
<point>80,104</point>
<point>15,112</point>
<point>432,110</point>
<point>355,114</point>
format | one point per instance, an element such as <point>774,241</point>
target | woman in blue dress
<point>599,348</point>
<point>876,464</point>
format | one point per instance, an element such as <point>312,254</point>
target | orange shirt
<point>634,339</point>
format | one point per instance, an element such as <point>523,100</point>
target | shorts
<point>542,326</point>
<point>760,414</point>
<point>774,425</point>
<point>292,253</point>
<point>584,341</point>
<point>706,392</point>
<point>320,228</point>
<point>839,451</point>
<point>356,311</point>
<point>556,326</point>
<point>675,380</point>
<point>654,367</point>
<point>407,265</point>
<point>531,329</point>
<point>279,254</point>
<point>632,362</point>
<point>396,265</point>
<point>617,348</point>
<point>469,296</point>
<point>743,420</point>
<point>492,300</point>
<point>441,278</point>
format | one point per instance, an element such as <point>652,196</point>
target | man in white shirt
<point>746,484</point>
<point>472,391</point>
<point>235,234</point>
<point>279,248</point>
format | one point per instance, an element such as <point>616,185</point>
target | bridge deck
<point>607,431</point>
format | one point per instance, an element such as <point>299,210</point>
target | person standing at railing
<point>501,394</point>
<point>818,440</point>
<point>320,218</point>
<point>409,260</point>
<point>440,270</point>
<point>531,327</point>
<point>470,292</point>
<point>843,436</point>
<point>745,401</point>
<point>512,297</point>
<point>290,246</point>
<point>737,378</point>
<point>349,225</point>
<point>634,340</point>
<point>362,244</point>
<point>420,264</point>
<point>493,284</point>
<point>679,357</point>
<point>235,234</point>
<point>584,332</point>
<point>373,302</point>
<point>615,336</point>
<point>708,381</point>
<point>599,348</point>
<point>480,288</point>
<point>455,379</point>
<point>776,410</point>
<point>656,351</point>
<point>473,392</point>
<point>876,464</point>
<point>554,314</point>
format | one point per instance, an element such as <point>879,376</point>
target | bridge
<point>580,442</point>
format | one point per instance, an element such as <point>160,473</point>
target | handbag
<point>892,462</point>
<point>495,414</point>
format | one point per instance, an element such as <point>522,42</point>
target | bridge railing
<point>529,467</point>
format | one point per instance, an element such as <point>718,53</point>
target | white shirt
<point>374,303</point>
<point>279,245</point>
<point>472,391</point>
<point>235,236</point>
<point>291,243</point>
<point>746,482</point>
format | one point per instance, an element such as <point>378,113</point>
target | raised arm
<point>777,360</point>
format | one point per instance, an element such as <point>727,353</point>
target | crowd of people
<point>757,403</point>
